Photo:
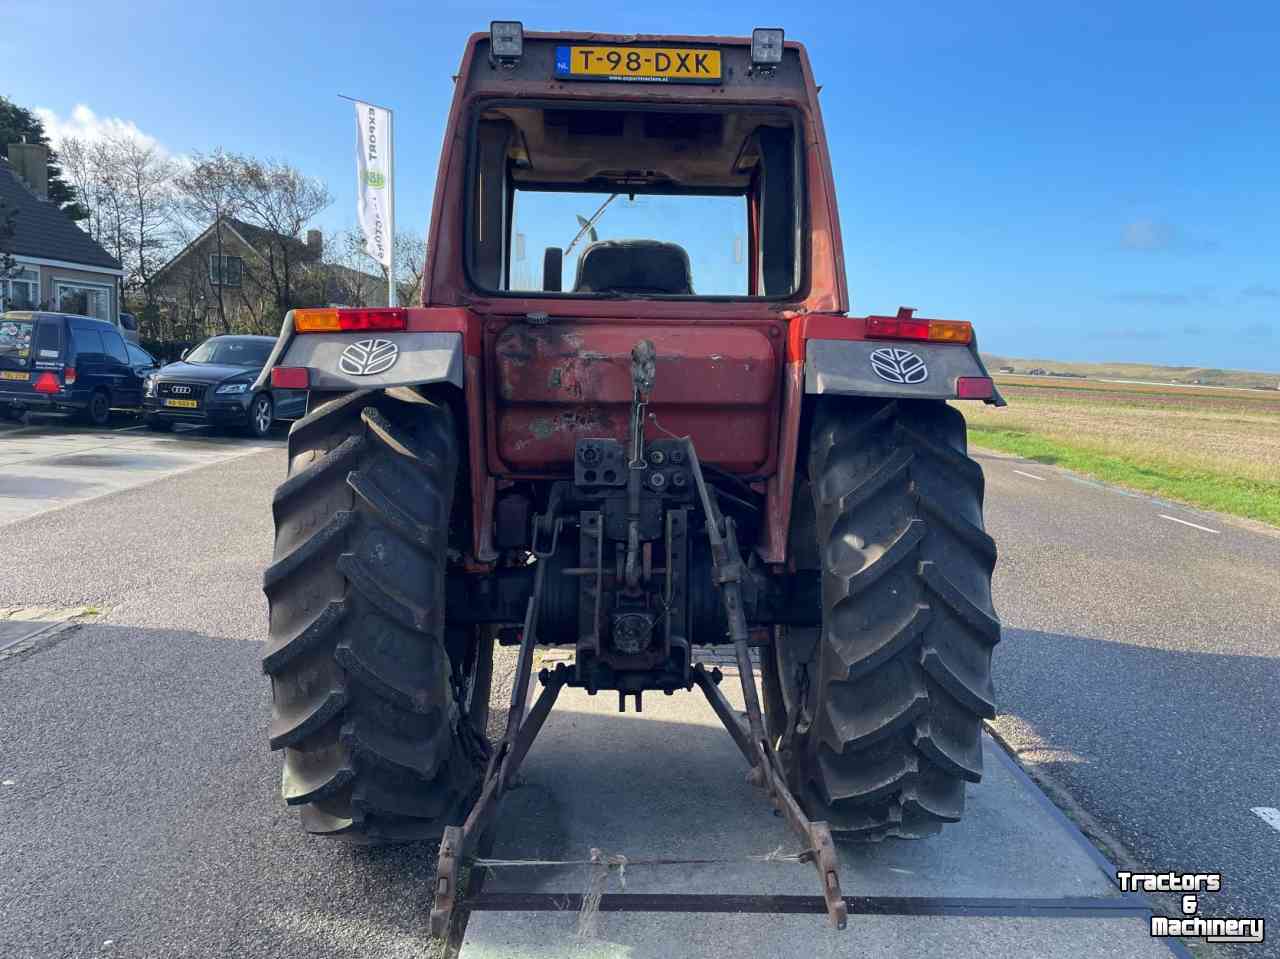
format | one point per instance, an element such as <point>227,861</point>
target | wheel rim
<point>262,414</point>
<point>99,409</point>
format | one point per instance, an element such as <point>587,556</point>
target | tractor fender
<point>420,358</point>
<point>848,368</point>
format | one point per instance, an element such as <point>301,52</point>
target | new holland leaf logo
<point>375,179</point>
<point>897,365</point>
<point>367,357</point>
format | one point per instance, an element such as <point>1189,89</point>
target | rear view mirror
<point>183,355</point>
<point>552,269</point>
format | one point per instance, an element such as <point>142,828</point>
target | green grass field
<point>1218,449</point>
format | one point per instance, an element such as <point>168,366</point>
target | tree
<point>361,284</point>
<point>350,273</point>
<point>145,179</point>
<point>279,199</point>
<point>112,204</point>
<point>126,187</point>
<point>79,163</point>
<point>7,233</point>
<point>411,259</point>
<point>209,192</point>
<point>20,125</point>
<point>188,285</point>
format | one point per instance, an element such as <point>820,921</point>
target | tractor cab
<point>679,169</point>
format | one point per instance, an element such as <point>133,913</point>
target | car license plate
<point>182,404</point>
<point>642,64</point>
<point>13,375</point>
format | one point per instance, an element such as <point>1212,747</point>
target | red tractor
<point>632,417</point>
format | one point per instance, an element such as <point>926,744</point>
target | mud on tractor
<point>631,416</point>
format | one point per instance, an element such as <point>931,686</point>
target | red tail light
<point>290,378</point>
<point>898,327</point>
<point>904,326</point>
<point>47,382</point>
<point>69,376</point>
<point>350,321</point>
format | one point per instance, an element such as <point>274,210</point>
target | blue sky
<point>1094,180</point>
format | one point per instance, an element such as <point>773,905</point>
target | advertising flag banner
<point>373,179</point>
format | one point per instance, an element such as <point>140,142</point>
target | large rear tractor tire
<point>365,702</point>
<point>899,679</point>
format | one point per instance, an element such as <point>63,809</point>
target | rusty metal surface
<point>557,383</point>
<point>484,493</point>
<point>781,485</point>
<point>444,279</point>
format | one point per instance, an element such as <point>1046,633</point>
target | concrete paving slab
<point>23,624</point>
<point>45,468</point>
<point>669,783</point>
<point>529,935</point>
<point>16,630</point>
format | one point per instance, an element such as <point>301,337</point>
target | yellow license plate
<point>182,404</point>
<point>11,375</point>
<point>644,64</point>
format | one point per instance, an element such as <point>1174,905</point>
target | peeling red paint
<point>569,380</point>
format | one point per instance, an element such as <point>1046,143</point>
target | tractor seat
<point>634,266</point>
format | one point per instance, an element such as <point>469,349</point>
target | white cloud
<point>1153,236</point>
<point>84,124</point>
<point>1145,234</point>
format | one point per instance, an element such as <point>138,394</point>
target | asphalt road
<point>139,804</point>
<point>1140,672</point>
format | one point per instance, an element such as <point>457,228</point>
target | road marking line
<point>1030,475</point>
<point>1174,519</point>
<point>1269,815</point>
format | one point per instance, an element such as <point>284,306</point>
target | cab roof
<point>534,73</point>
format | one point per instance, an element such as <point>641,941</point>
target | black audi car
<point>213,384</point>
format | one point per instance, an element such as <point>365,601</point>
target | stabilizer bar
<point>523,724</point>
<point>766,769</point>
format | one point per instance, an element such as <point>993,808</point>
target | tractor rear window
<point>629,243</point>
<point>627,203</point>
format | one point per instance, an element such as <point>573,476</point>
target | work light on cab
<point>349,321</point>
<point>506,42</point>
<point>766,46</point>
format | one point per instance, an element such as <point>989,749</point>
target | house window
<point>83,299</point>
<point>20,291</point>
<point>232,268</point>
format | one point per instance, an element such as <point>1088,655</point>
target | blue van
<point>59,363</point>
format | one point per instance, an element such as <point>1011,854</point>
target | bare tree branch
<point>210,193</point>
<point>278,198</point>
<point>145,180</point>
